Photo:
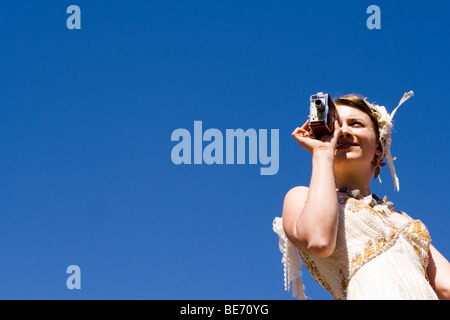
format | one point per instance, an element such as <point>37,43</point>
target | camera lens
<point>319,105</point>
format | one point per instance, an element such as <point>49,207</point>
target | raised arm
<point>310,215</point>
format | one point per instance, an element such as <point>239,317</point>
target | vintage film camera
<point>322,113</point>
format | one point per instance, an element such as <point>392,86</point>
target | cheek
<point>370,140</point>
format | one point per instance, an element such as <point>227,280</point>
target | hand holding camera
<point>321,131</point>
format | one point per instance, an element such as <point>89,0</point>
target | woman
<point>352,242</point>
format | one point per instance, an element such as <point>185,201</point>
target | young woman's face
<point>357,141</point>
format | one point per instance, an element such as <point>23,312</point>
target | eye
<point>357,123</point>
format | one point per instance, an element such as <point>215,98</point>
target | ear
<point>378,153</point>
<point>379,150</point>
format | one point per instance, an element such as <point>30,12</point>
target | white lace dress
<point>378,255</point>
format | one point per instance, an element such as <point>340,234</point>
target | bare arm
<point>310,215</point>
<point>438,273</point>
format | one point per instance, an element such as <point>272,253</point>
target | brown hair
<point>358,101</point>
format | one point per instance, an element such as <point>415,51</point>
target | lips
<point>346,145</point>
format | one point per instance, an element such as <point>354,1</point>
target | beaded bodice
<point>379,254</point>
<point>365,233</point>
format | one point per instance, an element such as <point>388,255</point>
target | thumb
<point>336,133</point>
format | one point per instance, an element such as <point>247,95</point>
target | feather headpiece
<point>384,128</point>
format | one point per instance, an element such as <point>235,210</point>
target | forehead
<point>345,112</point>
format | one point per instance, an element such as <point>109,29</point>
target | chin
<point>352,163</point>
<point>348,157</point>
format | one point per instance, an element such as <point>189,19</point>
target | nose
<point>346,130</point>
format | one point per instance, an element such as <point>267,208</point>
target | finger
<point>336,125</point>
<point>296,131</point>
<point>304,138</point>
<point>337,131</point>
<point>299,131</point>
<point>306,125</point>
<point>301,134</point>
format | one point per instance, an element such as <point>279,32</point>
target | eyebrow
<point>352,119</point>
<point>359,119</point>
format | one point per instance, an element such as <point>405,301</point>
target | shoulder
<point>296,195</point>
<point>297,191</point>
<point>294,200</point>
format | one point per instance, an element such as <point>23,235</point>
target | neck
<point>354,179</point>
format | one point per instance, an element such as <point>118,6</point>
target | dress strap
<point>291,260</point>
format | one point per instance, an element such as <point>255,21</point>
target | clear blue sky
<point>86,118</point>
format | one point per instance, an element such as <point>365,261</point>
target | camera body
<point>322,113</point>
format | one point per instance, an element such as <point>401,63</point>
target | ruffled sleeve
<point>291,260</point>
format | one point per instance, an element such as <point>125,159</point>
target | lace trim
<point>291,261</point>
